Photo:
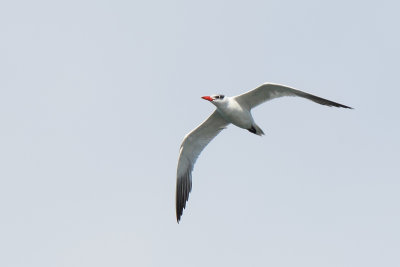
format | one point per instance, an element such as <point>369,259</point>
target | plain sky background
<point>96,96</point>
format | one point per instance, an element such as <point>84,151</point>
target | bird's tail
<point>255,129</point>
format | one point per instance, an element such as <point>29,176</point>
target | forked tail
<point>256,130</point>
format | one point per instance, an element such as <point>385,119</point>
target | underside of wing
<point>270,91</point>
<point>191,147</point>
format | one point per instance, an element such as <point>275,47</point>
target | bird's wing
<point>192,145</point>
<point>270,91</point>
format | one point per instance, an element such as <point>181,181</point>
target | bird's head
<point>216,99</point>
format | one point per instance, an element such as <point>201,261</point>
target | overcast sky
<point>96,97</point>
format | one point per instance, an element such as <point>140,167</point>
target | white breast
<point>236,114</point>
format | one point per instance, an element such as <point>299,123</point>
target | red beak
<point>209,98</point>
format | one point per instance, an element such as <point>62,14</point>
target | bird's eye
<point>217,97</point>
<point>221,96</point>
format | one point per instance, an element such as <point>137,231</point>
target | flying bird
<point>235,110</point>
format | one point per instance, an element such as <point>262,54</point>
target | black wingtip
<point>344,106</point>
<point>178,216</point>
<point>337,105</point>
<point>183,188</point>
<point>179,210</point>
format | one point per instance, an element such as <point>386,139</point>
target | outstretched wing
<point>270,91</point>
<point>191,147</point>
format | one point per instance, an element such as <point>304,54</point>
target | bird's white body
<point>235,110</point>
<point>234,113</point>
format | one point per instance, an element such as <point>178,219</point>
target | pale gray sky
<point>96,97</point>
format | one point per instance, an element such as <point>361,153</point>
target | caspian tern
<point>235,110</point>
